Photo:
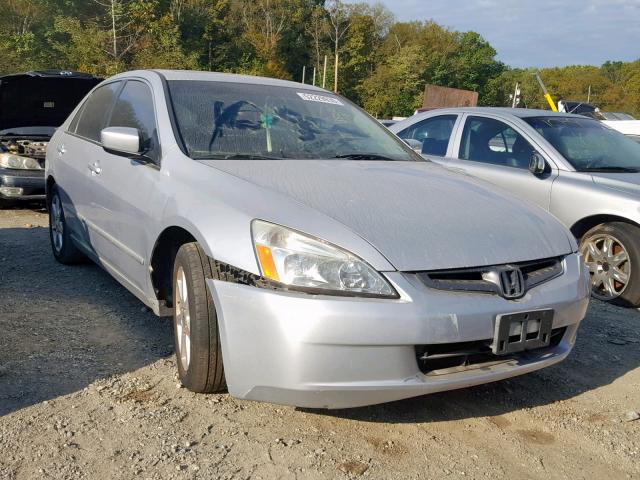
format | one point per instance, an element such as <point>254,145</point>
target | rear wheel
<point>64,250</point>
<point>197,338</point>
<point>612,254</point>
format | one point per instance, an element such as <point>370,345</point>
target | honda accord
<point>306,254</point>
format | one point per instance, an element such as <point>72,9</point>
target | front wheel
<point>612,254</point>
<point>197,340</point>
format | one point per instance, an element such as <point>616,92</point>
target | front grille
<point>486,279</point>
<point>445,358</point>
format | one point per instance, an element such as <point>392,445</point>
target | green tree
<point>395,88</point>
<point>368,27</point>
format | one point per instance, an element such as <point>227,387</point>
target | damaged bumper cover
<point>320,351</point>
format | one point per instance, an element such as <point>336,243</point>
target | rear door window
<point>433,133</point>
<point>93,115</point>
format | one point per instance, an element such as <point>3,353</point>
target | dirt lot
<point>88,389</point>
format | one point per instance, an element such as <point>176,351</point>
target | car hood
<point>40,99</point>
<point>623,182</point>
<point>419,215</point>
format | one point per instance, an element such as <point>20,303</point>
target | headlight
<point>307,263</point>
<point>16,162</point>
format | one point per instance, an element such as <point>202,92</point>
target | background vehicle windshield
<point>588,144</point>
<point>234,120</point>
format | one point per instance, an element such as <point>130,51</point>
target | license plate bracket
<point>516,332</point>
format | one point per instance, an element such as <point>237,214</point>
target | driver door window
<point>491,141</point>
<point>90,119</point>
<point>134,109</point>
<point>433,133</point>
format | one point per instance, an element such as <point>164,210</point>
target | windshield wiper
<point>237,156</point>
<point>610,170</point>
<point>363,156</point>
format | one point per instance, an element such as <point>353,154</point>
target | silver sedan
<point>306,254</point>
<point>583,172</point>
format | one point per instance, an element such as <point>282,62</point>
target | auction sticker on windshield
<point>311,97</point>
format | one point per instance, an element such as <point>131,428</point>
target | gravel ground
<point>88,389</point>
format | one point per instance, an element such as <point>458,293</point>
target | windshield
<point>250,121</point>
<point>588,144</point>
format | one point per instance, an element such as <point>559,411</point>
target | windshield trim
<point>177,134</point>
<point>412,155</point>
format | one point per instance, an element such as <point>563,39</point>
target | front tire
<point>197,338</point>
<point>612,254</point>
<point>64,250</point>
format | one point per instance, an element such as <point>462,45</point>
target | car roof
<point>516,112</point>
<point>202,76</point>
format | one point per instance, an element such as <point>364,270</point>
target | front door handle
<point>61,150</point>
<point>95,168</point>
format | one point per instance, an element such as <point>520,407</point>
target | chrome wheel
<point>183,319</point>
<point>57,223</point>
<point>609,265</point>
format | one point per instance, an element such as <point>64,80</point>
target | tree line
<point>383,64</point>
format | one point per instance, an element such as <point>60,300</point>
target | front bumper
<point>334,352</point>
<point>22,184</point>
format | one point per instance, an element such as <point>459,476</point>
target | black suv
<point>32,106</point>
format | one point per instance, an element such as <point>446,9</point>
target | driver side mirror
<point>537,164</point>
<point>121,140</point>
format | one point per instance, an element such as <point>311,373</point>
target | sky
<point>539,33</point>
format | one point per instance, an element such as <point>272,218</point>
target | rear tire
<point>612,253</point>
<point>195,323</point>
<point>64,250</point>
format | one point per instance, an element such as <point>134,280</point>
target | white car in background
<point>630,128</point>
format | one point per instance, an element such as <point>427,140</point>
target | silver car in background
<point>306,254</point>
<point>583,172</point>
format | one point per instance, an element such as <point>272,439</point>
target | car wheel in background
<point>197,339</point>
<point>64,250</point>
<point>612,254</point>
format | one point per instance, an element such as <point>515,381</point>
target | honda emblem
<point>512,282</point>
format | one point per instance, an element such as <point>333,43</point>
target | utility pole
<point>589,95</point>
<point>113,29</point>
<point>304,72</point>
<point>314,77</point>
<point>335,81</point>
<point>324,73</point>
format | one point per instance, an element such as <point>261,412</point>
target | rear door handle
<point>95,168</point>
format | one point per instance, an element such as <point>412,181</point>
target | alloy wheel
<point>609,266</point>
<point>183,319</point>
<point>57,223</point>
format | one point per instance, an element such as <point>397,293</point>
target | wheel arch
<point>582,226</point>
<point>163,257</point>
